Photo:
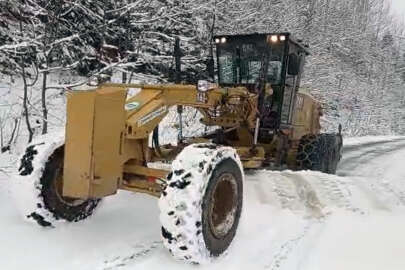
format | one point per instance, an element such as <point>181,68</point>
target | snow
<point>65,39</point>
<point>15,46</point>
<point>356,141</point>
<point>349,241</point>
<point>292,220</point>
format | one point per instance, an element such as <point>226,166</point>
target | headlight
<point>274,38</point>
<point>282,38</point>
<point>203,86</point>
<point>220,40</point>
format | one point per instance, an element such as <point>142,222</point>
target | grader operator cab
<point>261,119</point>
<point>269,65</point>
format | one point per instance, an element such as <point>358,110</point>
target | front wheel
<point>202,203</point>
<point>42,163</point>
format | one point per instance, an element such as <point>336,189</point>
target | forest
<point>356,68</point>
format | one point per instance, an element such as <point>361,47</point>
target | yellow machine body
<point>93,148</point>
<point>107,136</point>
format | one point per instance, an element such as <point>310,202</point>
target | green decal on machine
<point>149,117</point>
<point>131,106</point>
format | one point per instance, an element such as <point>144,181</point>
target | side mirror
<point>293,64</point>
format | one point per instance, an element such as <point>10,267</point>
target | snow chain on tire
<point>202,202</point>
<point>310,153</point>
<point>41,166</point>
<point>319,152</point>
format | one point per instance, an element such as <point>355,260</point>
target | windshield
<point>242,64</point>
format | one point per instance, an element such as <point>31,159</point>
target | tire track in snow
<point>288,247</point>
<point>397,193</point>
<point>353,147</point>
<point>332,191</point>
<point>357,163</point>
<point>354,157</point>
<point>316,192</point>
<point>140,251</point>
<point>292,191</point>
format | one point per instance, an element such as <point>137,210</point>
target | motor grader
<point>259,118</point>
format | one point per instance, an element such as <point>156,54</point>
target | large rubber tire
<point>202,203</point>
<point>333,153</point>
<point>310,154</point>
<point>320,152</point>
<point>51,205</point>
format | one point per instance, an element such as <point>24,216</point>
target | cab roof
<point>259,35</point>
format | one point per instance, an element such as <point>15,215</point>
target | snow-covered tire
<point>42,167</point>
<point>202,202</point>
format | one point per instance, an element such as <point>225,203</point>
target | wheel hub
<point>223,206</point>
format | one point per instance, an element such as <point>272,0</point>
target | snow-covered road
<point>302,220</point>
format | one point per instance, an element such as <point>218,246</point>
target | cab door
<point>295,60</point>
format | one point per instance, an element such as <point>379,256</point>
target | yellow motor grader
<point>260,118</point>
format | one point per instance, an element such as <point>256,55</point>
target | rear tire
<point>333,155</point>
<point>310,154</point>
<point>202,203</point>
<point>320,152</point>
